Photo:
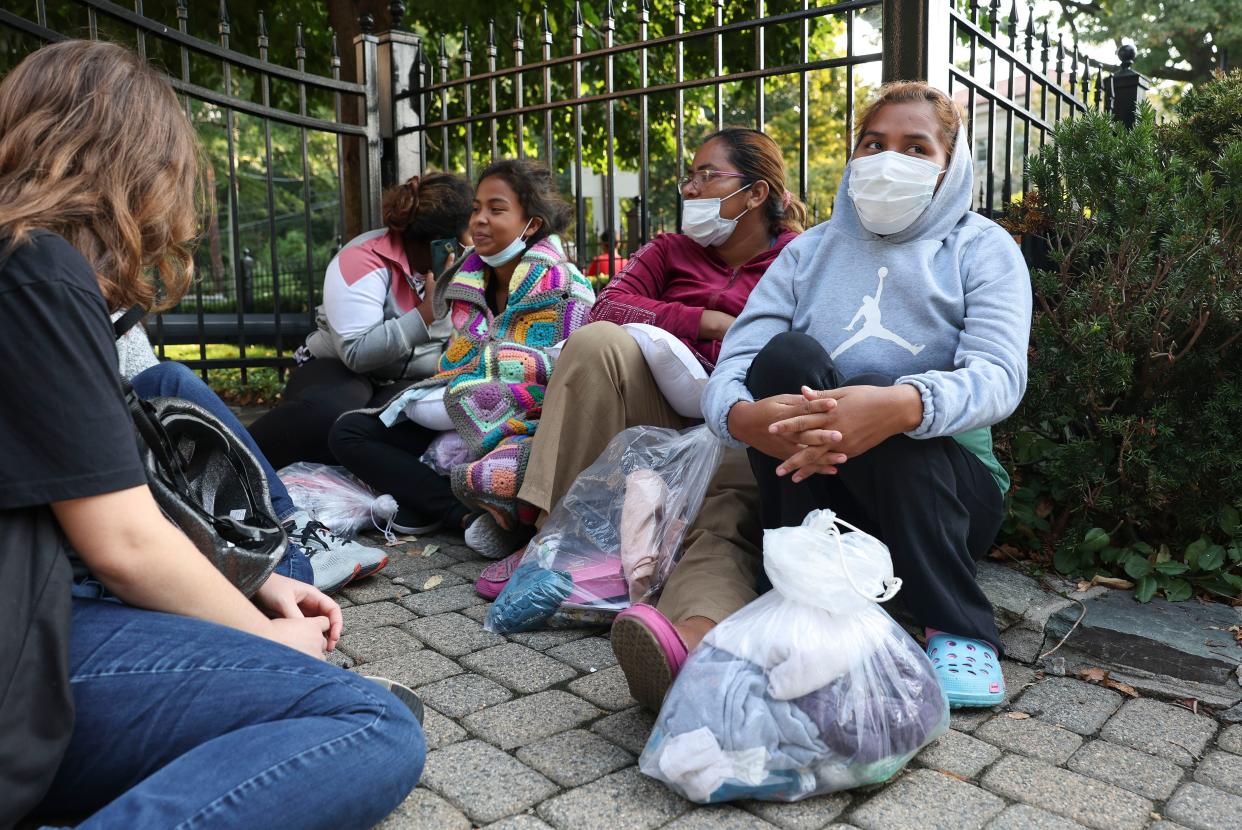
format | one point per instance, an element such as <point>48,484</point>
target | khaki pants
<point>601,385</point>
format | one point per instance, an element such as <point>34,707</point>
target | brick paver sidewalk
<point>537,730</point>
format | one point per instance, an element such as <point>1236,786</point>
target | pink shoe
<point>496,575</point>
<point>650,652</point>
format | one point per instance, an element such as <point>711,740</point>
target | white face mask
<point>890,189</point>
<point>702,222</point>
<point>512,250</point>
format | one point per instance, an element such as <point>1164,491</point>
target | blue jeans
<point>182,723</point>
<point>174,380</point>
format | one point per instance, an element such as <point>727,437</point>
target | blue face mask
<point>513,250</point>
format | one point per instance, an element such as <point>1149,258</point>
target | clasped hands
<point>818,430</point>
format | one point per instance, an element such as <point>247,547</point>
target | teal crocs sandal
<point>967,669</point>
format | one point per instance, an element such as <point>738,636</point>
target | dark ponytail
<point>436,206</point>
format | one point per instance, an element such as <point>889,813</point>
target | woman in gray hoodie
<point>864,374</point>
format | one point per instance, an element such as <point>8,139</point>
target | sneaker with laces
<point>331,554</point>
<point>487,538</point>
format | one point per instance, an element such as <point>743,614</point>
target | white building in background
<point>625,183</point>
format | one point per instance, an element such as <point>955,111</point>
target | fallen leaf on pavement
<point>1092,674</point>
<point>1100,677</point>
<point>430,549</point>
<point>1018,715</point>
<point>1112,582</point>
<point>432,582</point>
<point>1236,631</point>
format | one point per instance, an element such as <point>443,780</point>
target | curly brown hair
<point>95,147</point>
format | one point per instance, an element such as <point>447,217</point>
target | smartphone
<point>440,251</point>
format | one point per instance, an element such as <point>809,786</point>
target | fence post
<point>915,37</point>
<point>402,77</point>
<point>366,53</point>
<point>1129,87</point>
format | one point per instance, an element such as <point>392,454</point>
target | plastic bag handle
<point>891,585</point>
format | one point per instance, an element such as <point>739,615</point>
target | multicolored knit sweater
<point>496,367</point>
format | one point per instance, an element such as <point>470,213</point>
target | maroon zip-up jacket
<point>672,280</point>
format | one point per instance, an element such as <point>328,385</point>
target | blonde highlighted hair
<point>948,113</point>
<point>95,147</point>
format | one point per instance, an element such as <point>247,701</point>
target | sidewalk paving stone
<point>958,753</point>
<point>442,600</point>
<point>544,640</point>
<point>625,799</point>
<point>527,719</point>
<point>719,817</point>
<point>340,658</point>
<point>575,757</point>
<point>1023,817</point>
<point>1203,808</point>
<point>463,694</point>
<point>968,720</point>
<point>1079,707</point>
<point>414,669</point>
<point>374,589</point>
<point>484,782</point>
<point>607,689</point>
<point>1068,794</point>
<point>927,799</point>
<point>373,615</point>
<point>439,730</point>
<point>452,634</point>
<point>520,668</point>
<point>471,571</point>
<point>377,643</point>
<point>424,809</point>
<point>429,580</point>
<point>587,654</point>
<point>1231,739</point>
<point>1222,770</point>
<point>1030,737</point>
<point>1147,775</point>
<point>522,822</point>
<point>1160,729</point>
<point>629,729</point>
<point>402,564</point>
<point>478,613</point>
<point>809,814</point>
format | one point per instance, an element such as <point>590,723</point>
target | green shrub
<point>1127,448</point>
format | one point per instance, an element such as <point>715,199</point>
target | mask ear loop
<point>891,584</point>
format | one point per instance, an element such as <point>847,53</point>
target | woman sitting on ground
<point>179,702</point>
<point>376,331</point>
<point>738,217</point>
<point>883,419</point>
<point>514,297</point>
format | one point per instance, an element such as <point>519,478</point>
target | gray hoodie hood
<point>947,207</point>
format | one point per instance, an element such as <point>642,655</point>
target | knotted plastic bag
<point>615,536</point>
<point>810,689</point>
<point>334,497</point>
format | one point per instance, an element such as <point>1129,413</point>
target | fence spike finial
<point>547,23</point>
<point>224,12</point>
<point>465,44</point>
<point>491,34</point>
<point>299,38</point>
<point>443,47</point>
<point>1126,53</point>
<point>517,30</point>
<point>1013,24</point>
<point>578,13</point>
<point>262,29</point>
<point>183,9</point>
<point>609,14</point>
<point>396,13</point>
<point>366,22</point>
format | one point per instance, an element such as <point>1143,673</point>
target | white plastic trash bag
<point>810,689</point>
<point>615,536</point>
<point>334,497</point>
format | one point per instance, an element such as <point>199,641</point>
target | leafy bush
<point>1127,448</point>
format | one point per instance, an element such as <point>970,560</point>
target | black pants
<point>317,394</point>
<point>931,501</point>
<point>387,459</point>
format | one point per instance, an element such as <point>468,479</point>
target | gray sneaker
<point>333,559</point>
<point>488,539</point>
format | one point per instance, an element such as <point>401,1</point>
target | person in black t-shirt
<point>191,703</point>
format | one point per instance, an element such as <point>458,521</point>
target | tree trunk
<point>343,17</point>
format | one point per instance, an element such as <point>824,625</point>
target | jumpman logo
<point>871,326</point>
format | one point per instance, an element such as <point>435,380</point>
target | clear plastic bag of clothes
<point>812,688</point>
<point>615,536</point>
<point>334,497</point>
<point>446,451</point>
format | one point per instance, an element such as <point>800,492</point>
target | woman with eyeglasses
<point>738,215</point>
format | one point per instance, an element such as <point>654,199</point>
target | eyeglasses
<point>700,178</point>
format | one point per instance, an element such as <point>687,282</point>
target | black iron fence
<point>614,102</point>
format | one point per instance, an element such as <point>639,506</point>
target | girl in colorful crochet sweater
<point>514,297</point>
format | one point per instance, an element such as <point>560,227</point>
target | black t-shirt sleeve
<point>65,431</point>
